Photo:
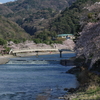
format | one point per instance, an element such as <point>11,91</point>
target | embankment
<point>89,88</point>
<point>5,58</point>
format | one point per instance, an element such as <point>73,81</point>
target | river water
<point>27,79</point>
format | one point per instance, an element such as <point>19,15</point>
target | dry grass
<point>41,97</point>
<point>90,92</point>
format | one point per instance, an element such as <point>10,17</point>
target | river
<point>27,79</point>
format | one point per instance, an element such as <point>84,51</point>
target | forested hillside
<point>34,15</point>
<point>44,19</point>
<point>11,31</point>
<point>73,19</point>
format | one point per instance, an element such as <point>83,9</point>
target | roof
<point>64,34</point>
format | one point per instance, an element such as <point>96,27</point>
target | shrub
<point>2,41</point>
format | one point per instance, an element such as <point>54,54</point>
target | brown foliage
<point>33,15</point>
<point>10,30</point>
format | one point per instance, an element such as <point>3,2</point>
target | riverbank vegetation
<point>89,86</point>
<point>89,81</point>
<point>88,55</point>
<point>88,59</point>
<point>88,44</point>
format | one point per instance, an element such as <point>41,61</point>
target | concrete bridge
<point>32,50</point>
<point>14,51</point>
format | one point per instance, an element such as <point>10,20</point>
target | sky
<point>4,1</point>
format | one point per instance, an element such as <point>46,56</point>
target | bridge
<point>32,50</point>
<point>14,51</point>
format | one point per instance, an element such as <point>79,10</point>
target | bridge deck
<point>39,50</point>
<point>31,50</point>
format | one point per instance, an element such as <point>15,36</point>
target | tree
<point>37,40</point>
<point>89,43</point>
<point>2,41</point>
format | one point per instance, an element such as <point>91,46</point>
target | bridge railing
<point>36,49</point>
<point>30,50</point>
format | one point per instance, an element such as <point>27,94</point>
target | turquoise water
<point>25,81</point>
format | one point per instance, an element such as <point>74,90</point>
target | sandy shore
<point>5,58</point>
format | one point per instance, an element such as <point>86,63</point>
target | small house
<point>66,36</point>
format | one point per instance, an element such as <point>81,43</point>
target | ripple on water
<point>32,81</point>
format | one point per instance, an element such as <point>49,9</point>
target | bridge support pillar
<point>14,54</point>
<point>36,53</point>
<point>60,54</point>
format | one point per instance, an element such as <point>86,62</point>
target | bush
<point>16,41</point>
<point>7,49</point>
<point>2,41</point>
<point>37,40</point>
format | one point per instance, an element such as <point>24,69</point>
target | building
<point>66,36</point>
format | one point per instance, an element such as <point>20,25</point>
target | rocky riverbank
<point>89,88</point>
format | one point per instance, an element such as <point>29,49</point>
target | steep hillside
<point>4,10</point>
<point>10,30</point>
<point>20,5</point>
<point>73,19</point>
<point>34,15</point>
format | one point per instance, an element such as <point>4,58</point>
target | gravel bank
<point>5,58</point>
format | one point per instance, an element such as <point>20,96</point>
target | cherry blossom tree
<point>89,43</point>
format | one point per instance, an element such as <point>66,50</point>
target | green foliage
<point>37,40</point>
<point>16,41</point>
<point>10,30</point>
<point>69,20</point>
<point>90,91</point>
<point>24,39</point>
<point>33,16</point>
<point>90,15</point>
<point>2,41</point>
<point>7,49</point>
<point>29,13</point>
<point>46,36</point>
<point>58,41</point>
